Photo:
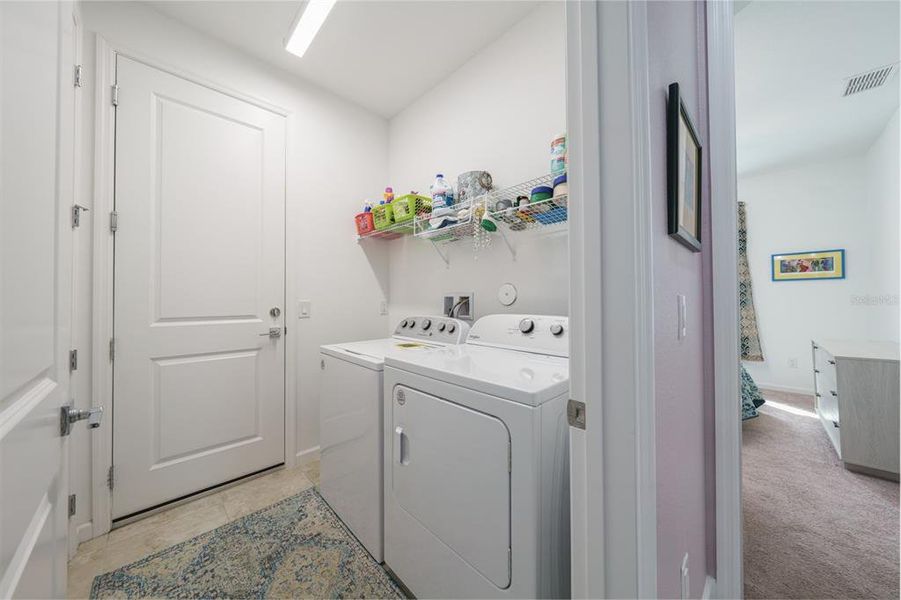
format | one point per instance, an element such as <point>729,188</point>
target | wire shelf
<point>535,215</point>
<point>402,214</point>
<point>395,231</point>
<point>461,222</point>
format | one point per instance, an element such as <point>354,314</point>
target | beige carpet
<point>812,528</point>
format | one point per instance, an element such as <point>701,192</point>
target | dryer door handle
<point>401,446</point>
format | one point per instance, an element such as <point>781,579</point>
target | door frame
<point>611,298</point>
<point>103,283</point>
<point>726,341</point>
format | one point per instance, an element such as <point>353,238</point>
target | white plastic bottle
<point>442,196</point>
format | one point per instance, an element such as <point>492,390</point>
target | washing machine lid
<point>523,377</point>
<point>371,353</point>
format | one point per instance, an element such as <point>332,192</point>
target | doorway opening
<point>817,171</point>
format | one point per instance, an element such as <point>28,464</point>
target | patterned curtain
<point>750,339</point>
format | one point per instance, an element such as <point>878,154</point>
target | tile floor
<point>141,538</point>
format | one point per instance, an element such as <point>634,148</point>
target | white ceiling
<point>380,54</point>
<point>791,60</point>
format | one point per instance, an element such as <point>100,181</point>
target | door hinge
<point>73,360</point>
<point>78,72</point>
<point>76,214</point>
<point>113,221</point>
<point>72,502</point>
<point>115,95</point>
<point>111,477</point>
<point>575,413</point>
<point>112,349</point>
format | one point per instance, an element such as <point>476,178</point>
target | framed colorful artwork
<point>795,266</point>
<point>683,173</point>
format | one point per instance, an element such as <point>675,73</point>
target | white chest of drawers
<point>857,400</point>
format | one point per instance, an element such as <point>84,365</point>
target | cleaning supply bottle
<point>558,155</point>
<point>442,197</point>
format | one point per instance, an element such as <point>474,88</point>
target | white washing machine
<point>350,420</point>
<point>476,463</point>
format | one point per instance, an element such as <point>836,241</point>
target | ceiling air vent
<point>869,80</point>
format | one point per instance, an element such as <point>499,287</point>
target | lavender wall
<point>677,53</point>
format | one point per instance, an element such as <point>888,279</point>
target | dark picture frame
<point>683,173</point>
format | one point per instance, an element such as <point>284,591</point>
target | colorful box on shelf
<point>364,222</point>
<point>383,216</point>
<point>406,208</point>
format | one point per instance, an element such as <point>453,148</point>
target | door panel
<point>209,209</point>
<point>450,471</point>
<point>228,407</point>
<point>36,171</point>
<point>199,262</point>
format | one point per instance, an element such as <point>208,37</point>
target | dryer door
<point>451,472</point>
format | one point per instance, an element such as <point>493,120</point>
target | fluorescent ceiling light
<point>308,25</point>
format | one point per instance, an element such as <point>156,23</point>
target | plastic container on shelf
<point>561,187</point>
<point>383,216</point>
<point>408,207</point>
<point>558,154</point>
<point>442,196</point>
<point>364,222</point>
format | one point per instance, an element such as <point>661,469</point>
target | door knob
<point>68,416</point>
<point>274,312</point>
<point>274,332</point>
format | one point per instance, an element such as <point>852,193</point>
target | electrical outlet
<point>683,578</point>
<point>459,306</point>
<point>793,363</point>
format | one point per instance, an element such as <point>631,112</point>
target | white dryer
<point>476,463</point>
<point>350,420</point>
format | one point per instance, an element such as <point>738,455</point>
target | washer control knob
<point>412,323</point>
<point>527,325</point>
<point>426,323</point>
<point>451,328</point>
<point>403,323</point>
<point>557,329</point>
<point>441,326</point>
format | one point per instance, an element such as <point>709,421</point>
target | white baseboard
<point>784,388</point>
<point>709,588</point>
<point>308,455</point>
<point>84,532</point>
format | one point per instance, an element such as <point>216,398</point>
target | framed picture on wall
<point>683,173</point>
<point>822,264</point>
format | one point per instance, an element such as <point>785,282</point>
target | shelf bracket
<point>445,256</point>
<point>507,242</point>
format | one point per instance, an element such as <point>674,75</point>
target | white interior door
<point>198,390</point>
<point>36,166</point>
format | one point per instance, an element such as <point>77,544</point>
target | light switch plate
<point>304,309</point>
<point>682,317</point>
<point>383,307</point>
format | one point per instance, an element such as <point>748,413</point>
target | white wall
<point>849,203</point>
<point>883,170</point>
<point>499,113</point>
<point>337,154</point>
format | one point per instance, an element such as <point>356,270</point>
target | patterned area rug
<point>297,548</point>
